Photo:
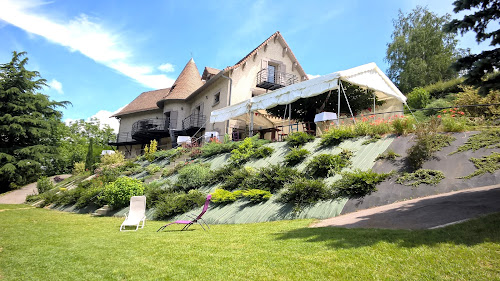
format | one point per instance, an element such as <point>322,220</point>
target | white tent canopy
<point>367,76</point>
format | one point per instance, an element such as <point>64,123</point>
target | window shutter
<point>264,64</point>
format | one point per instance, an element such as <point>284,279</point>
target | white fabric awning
<point>367,76</point>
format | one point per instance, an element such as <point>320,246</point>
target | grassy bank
<point>38,244</point>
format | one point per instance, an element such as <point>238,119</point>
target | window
<point>217,98</point>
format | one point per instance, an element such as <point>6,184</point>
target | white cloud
<point>56,85</point>
<point>166,67</point>
<point>312,76</point>
<point>84,35</point>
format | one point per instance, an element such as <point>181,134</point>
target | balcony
<point>194,121</point>
<point>124,138</point>
<point>270,79</point>
<point>149,129</point>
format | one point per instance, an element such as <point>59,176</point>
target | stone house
<point>184,108</point>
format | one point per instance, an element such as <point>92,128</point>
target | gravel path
<point>18,196</point>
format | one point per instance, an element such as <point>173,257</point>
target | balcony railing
<point>194,121</point>
<point>272,80</point>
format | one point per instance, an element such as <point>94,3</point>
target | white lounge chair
<point>136,214</point>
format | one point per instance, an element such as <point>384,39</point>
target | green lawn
<point>43,244</point>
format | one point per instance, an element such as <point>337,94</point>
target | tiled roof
<point>188,81</point>
<point>209,72</point>
<point>144,102</point>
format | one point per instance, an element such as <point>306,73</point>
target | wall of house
<point>182,109</point>
<point>128,120</point>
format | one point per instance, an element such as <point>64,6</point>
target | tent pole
<point>411,112</point>
<point>348,105</point>
<point>373,101</point>
<point>338,104</point>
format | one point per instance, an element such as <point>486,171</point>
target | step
<point>104,210</point>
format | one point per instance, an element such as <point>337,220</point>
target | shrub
<point>44,184</point>
<point>171,154</point>
<point>222,196</point>
<point>222,173</point>
<point>215,148</point>
<point>115,158</point>
<point>295,156</point>
<point>403,125</point>
<point>78,168</point>
<point>418,98</point>
<point>427,143</point>
<point>178,203</point>
<point>357,183</point>
<point>257,195</point>
<point>263,152</point>
<point>485,139</point>
<point>90,195</point>
<point>153,169</point>
<point>155,192</point>
<point>442,88</point>
<point>439,103</point>
<point>389,155</point>
<point>233,181</point>
<point>453,124</point>
<point>68,197</point>
<point>485,164</point>
<point>271,178</point>
<point>298,139</point>
<point>421,176</point>
<point>303,192</point>
<point>193,176</point>
<point>149,152</point>
<point>372,140</point>
<point>247,150</point>
<point>337,135</point>
<point>108,173</point>
<point>325,165</point>
<point>118,193</point>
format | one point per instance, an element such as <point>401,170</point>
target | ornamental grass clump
<point>325,165</point>
<point>298,139</point>
<point>357,184</point>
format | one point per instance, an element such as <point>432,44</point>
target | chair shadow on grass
<point>470,233</point>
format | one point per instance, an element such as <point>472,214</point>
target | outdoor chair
<point>196,219</point>
<point>136,214</point>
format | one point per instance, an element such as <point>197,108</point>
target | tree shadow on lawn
<point>470,233</point>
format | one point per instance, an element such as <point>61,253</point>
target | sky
<point>100,55</point>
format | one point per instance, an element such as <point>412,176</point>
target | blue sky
<point>100,55</point>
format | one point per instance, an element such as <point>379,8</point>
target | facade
<point>184,108</point>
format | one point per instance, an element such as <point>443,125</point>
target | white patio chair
<point>136,214</point>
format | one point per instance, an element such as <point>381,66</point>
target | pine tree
<point>27,122</point>
<point>480,68</point>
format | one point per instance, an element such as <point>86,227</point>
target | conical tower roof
<point>188,81</point>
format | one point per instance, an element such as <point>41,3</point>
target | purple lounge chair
<point>194,219</point>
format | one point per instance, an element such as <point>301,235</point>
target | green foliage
<point>420,52</point>
<point>295,156</point>
<point>485,139</point>
<point>90,159</point>
<point>248,149</point>
<point>427,143</point>
<point>441,89</point>
<point>372,140</point>
<point>325,165</point>
<point>439,103</point>
<point>114,158</point>
<point>337,135</point>
<point>119,192</point>
<point>44,184</point>
<point>389,155</point>
<point>233,181</point>
<point>193,176</point>
<point>257,195</point>
<point>155,192</point>
<point>357,184</point>
<point>28,125</point>
<point>171,154</point>
<point>271,178</point>
<point>421,176</point>
<point>485,164</point>
<point>453,124</point>
<point>298,139</point>
<point>403,125</point>
<point>79,168</point>
<point>222,196</point>
<point>304,192</point>
<point>482,18</point>
<point>153,169</point>
<point>149,152</point>
<point>178,203</point>
<point>222,173</point>
<point>470,96</point>
<point>418,98</point>
<point>215,148</point>
<point>167,172</point>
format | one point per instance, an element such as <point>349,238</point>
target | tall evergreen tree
<point>89,160</point>
<point>481,66</point>
<point>421,53</point>
<point>27,122</point>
